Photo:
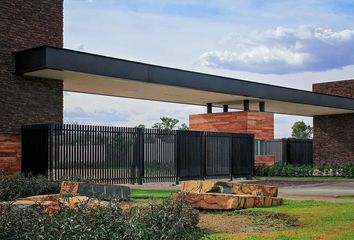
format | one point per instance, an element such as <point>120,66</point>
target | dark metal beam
<point>60,59</point>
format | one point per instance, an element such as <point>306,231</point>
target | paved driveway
<point>319,191</point>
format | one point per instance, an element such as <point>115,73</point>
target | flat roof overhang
<point>90,73</point>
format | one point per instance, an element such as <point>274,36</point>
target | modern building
<point>35,69</point>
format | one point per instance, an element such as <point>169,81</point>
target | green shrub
<point>280,170</point>
<point>169,220</point>
<point>12,187</point>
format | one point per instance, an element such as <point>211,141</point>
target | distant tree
<point>140,126</point>
<point>301,130</point>
<point>183,127</point>
<point>166,123</point>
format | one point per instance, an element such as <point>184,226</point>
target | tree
<point>183,127</point>
<point>140,126</point>
<point>166,123</point>
<point>301,130</point>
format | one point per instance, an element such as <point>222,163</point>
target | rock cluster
<point>74,193</point>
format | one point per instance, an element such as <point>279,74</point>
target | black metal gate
<point>130,155</point>
<point>35,146</point>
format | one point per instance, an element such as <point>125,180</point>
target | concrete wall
<point>261,124</point>
<point>25,100</point>
<point>333,135</point>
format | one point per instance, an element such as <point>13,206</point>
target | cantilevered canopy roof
<point>89,73</point>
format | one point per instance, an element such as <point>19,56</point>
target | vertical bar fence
<point>134,155</point>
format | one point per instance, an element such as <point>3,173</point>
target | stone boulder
<point>102,191</point>
<point>219,201</point>
<point>209,186</point>
<point>229,195</point>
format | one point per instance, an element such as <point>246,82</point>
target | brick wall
<point>264,160</point>
<point>261,124</point>
<point>10,153</point>
<point>26,100</point>
<point>333,141</point>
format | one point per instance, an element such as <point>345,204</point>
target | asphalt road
<point>326,191</point>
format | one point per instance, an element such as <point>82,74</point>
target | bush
<point>279,170</point>
<point>12,187</point>
<point>169,220</point>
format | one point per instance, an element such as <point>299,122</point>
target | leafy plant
<point>169,220</point>
<point>12,187</point>
<point>289,170</point>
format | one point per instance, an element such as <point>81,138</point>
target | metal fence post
<point>204,154</point>
<point>284,150</point>
<point>231,157</point>
<point>141,155</point>
<point>177,157</point>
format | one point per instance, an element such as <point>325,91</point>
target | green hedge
<point>169,220</point>
<point>279,170</point>
<point>12,187</point>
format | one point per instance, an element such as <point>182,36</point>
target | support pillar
<point>26,100</point>
<point>209,107</point>
<point>261,106</point>
<point>225,108</point>
<point>246,105</point>
<point>333,134</point>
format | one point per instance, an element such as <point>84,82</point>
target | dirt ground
<point>238,221</point>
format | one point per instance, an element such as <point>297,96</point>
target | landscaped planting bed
<point>280,170</point>
<point>152,214</point>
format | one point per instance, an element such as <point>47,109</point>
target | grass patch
<point>152,193</point>
<point>345,196</point>
<point>269,219</point>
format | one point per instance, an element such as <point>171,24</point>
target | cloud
<point>100,117</point>
<point>283,50</point>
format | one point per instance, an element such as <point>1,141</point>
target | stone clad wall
<point>26,100</point>
<point>261,124</point>
<point>333,141</point>
<point>10,153</point>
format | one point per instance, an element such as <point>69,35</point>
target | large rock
<point>254,189</point>
<point>102,191</point>
<point>221,201</point>
<point>52,203</point>
<point>229,188</point>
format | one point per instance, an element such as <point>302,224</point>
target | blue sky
<point>287,43</point>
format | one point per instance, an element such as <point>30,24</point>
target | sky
<point>280,42</point>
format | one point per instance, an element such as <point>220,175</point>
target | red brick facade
<point>333,134</point>
<point>10,153</point>
<point>27,100</point>
<point>264,160</point>
<point>261,124</point>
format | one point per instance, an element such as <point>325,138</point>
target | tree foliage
<point>168,123</point>
<point>301,130</point>
<point>183,127</point>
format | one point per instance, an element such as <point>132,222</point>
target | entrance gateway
<point>35,70</point>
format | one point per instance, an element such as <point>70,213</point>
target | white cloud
<point>176,40</point>
<point>283,50</point>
